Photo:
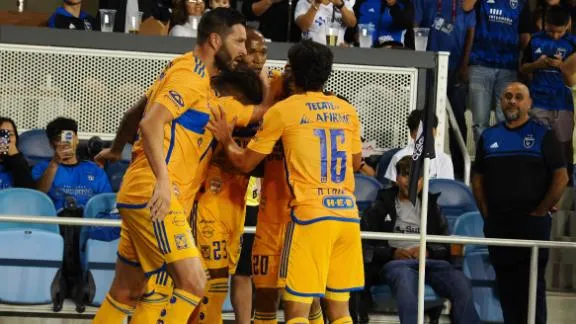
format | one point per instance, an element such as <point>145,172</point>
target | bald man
<point>519,175</point>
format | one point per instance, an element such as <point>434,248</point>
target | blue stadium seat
<point>116,170</point>
<point>29,260</point>
<point>101,258</point>
<point>383,298</point>
<point>470,224</point>
<point>366,190</point>
<point>455,199</point>
<point>382,166</point>
<point>478,269</point>
<point>19,201</point>
<point>35,146</point>
<point>101,203</point>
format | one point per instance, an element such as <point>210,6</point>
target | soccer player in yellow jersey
<point>320,135</point>
<point>158,189</point>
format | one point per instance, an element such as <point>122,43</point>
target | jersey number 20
<point>337,175</point>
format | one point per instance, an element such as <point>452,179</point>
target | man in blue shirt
<point>392,20</point>
<point>451,30</point>
<point>70,16</point>
<point>65,176</point>
<point>502,30</point>
<point>553,104</point>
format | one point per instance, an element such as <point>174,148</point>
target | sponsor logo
<point>494,145</point>
<point>176,98</point>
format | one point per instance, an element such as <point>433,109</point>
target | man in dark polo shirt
<point>519,175</point>
<point>71,16</point>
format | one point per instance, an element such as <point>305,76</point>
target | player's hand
<point>219,127</point>
<point>159,204</point>
<point>107,154</point>
<point>402,254</point>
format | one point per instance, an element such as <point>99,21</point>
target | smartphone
<point>67,137</point>
<point>4,141</point>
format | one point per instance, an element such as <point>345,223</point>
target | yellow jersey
<point>183,88</point>
<point>319,134</point>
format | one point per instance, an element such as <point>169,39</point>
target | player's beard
<point>223,60</point>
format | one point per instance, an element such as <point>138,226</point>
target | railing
<point>534,245</point>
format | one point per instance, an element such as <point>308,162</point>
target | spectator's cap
<point>55,127</point>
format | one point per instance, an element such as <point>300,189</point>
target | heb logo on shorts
<point>181,241</point>
<point>338,202</point>
<point>176,98</point>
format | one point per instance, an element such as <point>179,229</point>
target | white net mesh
<point>95,87</point>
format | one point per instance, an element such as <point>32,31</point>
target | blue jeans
<point>485,88</point>
<point>402,277</point>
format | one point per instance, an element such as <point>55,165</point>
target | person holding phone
<point>65,175</point>
<point>313,17</point>
<point>14,170</point>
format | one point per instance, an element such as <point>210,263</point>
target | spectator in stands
<point>71,16</point>
<point>158,9</point>
<point>186,16</point>
<point>502,30</point>
<point>393,212</point>
<point>519,175</point>
<point>313,16</point>
<point>440,167</point>
<point>276,18</point>
<point>14,170</point>
<point>542,7</point>
<point>451,30</point>
<point>65,176</point>
<point>393,20</point>
<point>213,4</point>
<point>553,104</point>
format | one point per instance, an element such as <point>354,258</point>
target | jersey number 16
<point>337,175</point>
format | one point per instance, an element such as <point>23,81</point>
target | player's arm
<point>125,134</point>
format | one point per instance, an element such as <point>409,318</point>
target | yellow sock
<point>112,312</point>
<point>343,320</point>
<point>298,320</point>
<point>214,297</point>
<point>316,317</point>
<point>149,309</point>
<point>265,318</point>
<point>181,305</point>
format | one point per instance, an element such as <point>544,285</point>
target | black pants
<point>512,265</point>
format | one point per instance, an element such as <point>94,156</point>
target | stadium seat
<point>366,190</point>
<point>470,224</point>
<point>478,269</point>
<point>27,202</point>
<point>383,166</point>
<point>455,199</point>
<point>101,257</point>
<point>34,145</point>
<point>116,170</point>
<point>101,203</point>
<point>29,260</point>
<point>383,298</point>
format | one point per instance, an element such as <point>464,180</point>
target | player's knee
<point>188,275</point>
<point>266,299</point>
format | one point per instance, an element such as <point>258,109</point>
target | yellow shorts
<point>266,255</point>
<point>218,229</point>
<point>325,256</point>
<point>158,288</point>
<point>152,245</point>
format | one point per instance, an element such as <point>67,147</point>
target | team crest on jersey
<point>529,141</point>
<point>215,185</point>
<point>176,98</point>
<point>513,4</point>
<point>561,52</point>
<point>181,241</point>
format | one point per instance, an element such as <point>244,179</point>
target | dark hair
<point>557,16</point>
<point>311,65</point>
<point>9,120</point>
<point>179,13</point>
<point>415,117</point>
<point>403,165</point>
<point>55,127</point>
<point>219,21</point>
<point>244,79</point>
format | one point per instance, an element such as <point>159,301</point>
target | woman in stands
<point>14,170</point>
<point>185,17</point>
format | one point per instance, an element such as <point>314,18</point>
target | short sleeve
<point>235,109</point>
<point>39,170</point>
<point>181,90</point>
<point>270,132</point>
<point>479,158</point>
<point>301,8</point>
<point>553,152</point>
